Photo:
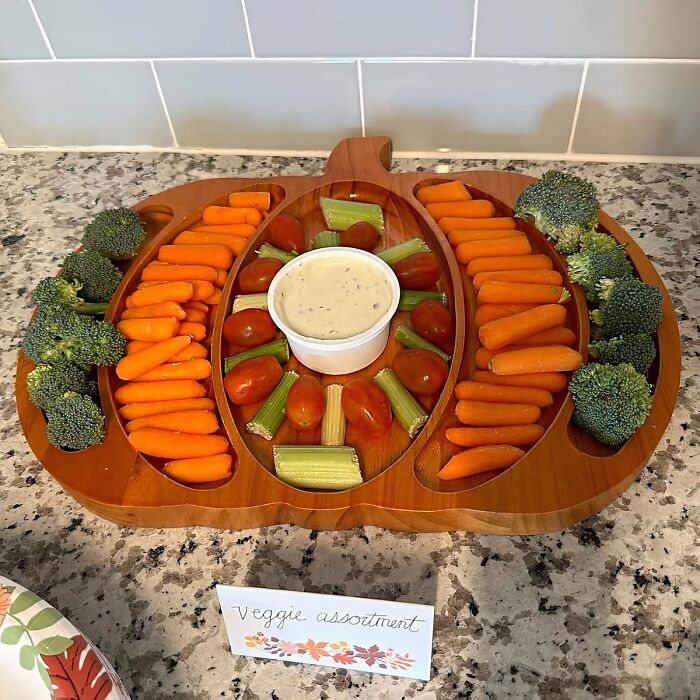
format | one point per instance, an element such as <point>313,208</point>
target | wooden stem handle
<point>365,158</point>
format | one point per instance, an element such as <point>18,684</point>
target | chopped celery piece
<point>269,251</point>
<point>317,466</point>
<point>410,299</point>
<point>333,422</point>
<point>326,239</point>
<point>250,301</point>
<point>277,348</point>
<point>406,409</point>
<point>404,250</point>
<point>408,337</point>
<point>341,214</point>
<point>270,415</point>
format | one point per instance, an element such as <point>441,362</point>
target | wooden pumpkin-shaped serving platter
<point>564,478</point>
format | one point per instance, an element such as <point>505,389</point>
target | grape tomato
<point>249,328</point>
<point>305,403</point>
<point>421,371</point>
<point>252,380</point>
<point>286,232</point>
<point>433,321</point>
<point>366,406</point>
<point>256,276</point>
<point>360,235</point>
<point>419,271</point>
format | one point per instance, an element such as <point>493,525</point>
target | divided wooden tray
<point>563,479</point>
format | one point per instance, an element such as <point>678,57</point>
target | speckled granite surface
<point>609,608</point>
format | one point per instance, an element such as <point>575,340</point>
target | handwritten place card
<point>375,636</point>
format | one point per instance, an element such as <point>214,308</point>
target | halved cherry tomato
<point>287,232</point>
<point>421,371</point>
<point>366,406</point>
<point>305,403</point>
<point>257,276</point>
<point>434,322</point>
<point>249,328</point>
<point>252,380</point>
<point>361,235</point>
<point>420,271</point>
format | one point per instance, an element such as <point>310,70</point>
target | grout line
<point>41,29</point>
<point>476,12</point>
<point>577,108</point>
<point>162,101</point>
<point>247,28</point>
<point>362,97</point>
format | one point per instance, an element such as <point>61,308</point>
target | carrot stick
<point>139,363</point>
<point>453,191</point>
<point>171,273</point>
<point>500,435</point>
<point>458,223</point>
<point>169,291</point>
<point>199,422</point>
<point>559,335</point>
<point>136,392</point>
<point>218,256</point>
<point>497,393</point>
<point>459,236</point>
<point>478,460</point>
<point>214,299</point>
<point>482,413</point>
<point>195,316</point>
<point>151,330</point>
<point>150,283</point>
<point>202,290</point>
<point>134,346</point>
<point>495,335</point>
<point>235,243</point>
<point>483,356</point>
<point>516,245</point>
<point>495,292</point>
<point>150,408</point>
<point>526,276</point>
<point>257,200</point>
<point>474,209</point>
<point>194,351</point>
<point>225,229</point>
<point>196,305</point>
<point>227,216</point>
<point>220,280</point>
<point>551,381</point>
<point>542,358</point>
<point>167,308</point>
<point>197,331</point>
<point>521,262</point>
<point>490,312</point>
<point>199,470</point>
<point>164,443</point>
<point>171,371</point>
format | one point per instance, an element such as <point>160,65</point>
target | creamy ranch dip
<point>334,297</point>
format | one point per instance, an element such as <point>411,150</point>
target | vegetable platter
<point>561,475</point>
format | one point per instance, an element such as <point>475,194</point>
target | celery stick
<point>326,239</point>
<point>270,415</point>
<point>317,466</point>
<point>333,422</point>
<point>341,214</point>
<point>404,250</point>
<point>410,299</point>
<point>249,301</point>
<point>406,409</point>
<point>408,337</point>
<point>277,348</point>
<point>269,251</point>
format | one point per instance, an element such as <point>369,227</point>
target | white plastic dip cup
<point>348,354</point>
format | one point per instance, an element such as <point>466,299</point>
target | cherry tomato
<point>421,371</point>
<point>366,406</point>
<point>249,328</point>
<point>420,271</point>
<point>252,380</point>
<point>286,232</point>
<point>305,403</point>
<point>257,276</point>
<point>433,321</point>
<point>360,235</point>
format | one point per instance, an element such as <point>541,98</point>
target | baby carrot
<point>195,315</point>
<point>227,229</point>
<point>551,381</point>
<point>150,408</point>
<point>526,276</point>
<point>139,363</point>
<point>194,351</point>
<point>134,346</point>
<point>496,393</point>
<point>458,223</point>
<point>196,305</point>
<point>257,200</point>
<point>201,290</point>
<point>559,335</point>
<point>199,470</point>
<point>499,435</point>
<point>483,356</point>
<point>516,245</point>
<point>490,312</point>
<point>197,331</point>
<point>151,330</point>
<point>222,216</point>
<point>453,191</point>
<point>214,299</point>
<point>170,273</point>
<point>520,262</point>
<point>235,243</point>
<point>220,280</point>
<point>199,422</point>
<point>166,308</point>
<point>485,414</point>
<point>473,209</point>
<point>218,256</point>
<point>170,371</point>
<point>478,460</point>
<point>169,291</point>
<point>495,292</point>
<point>136,392</point>
<point>165,443</point>
<point>495,335</point>
<point>458,236</point>
<point>542,358</point>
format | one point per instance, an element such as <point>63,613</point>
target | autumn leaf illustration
<point>316,649</point>
<point>370,655</point>
<point>343,658</point>
<point>4,603</point>
<point>401,661</point>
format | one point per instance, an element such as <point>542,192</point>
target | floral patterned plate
<point>43,657</point>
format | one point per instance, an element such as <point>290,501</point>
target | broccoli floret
<point>116,233</point>
<point>611,401</point>
<point>628,306</point>
<point>97,274</point>
<point>46,383</point>
<point>57,290</point>
<point>57,335</point>
<point>597,241</point>
<point>636,349</point>
<point>564,207</point>
<point>75,422</point>
<point>589,267</point>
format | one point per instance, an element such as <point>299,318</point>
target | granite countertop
<point>608,608</point>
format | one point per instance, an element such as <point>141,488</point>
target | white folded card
<point>363,634</point>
